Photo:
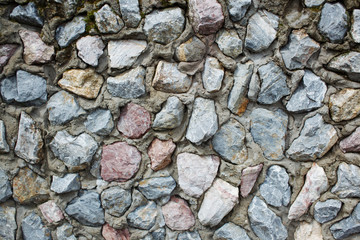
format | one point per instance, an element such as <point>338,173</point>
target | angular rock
<point>107,21</point>
<point>130,12</point>
<point>33,228</point>
<point>110,233</point>
<point>345,104</point>
<point>143,217</point>
<point>157,187</point>
<point>348,181</point>
<point>311,231</point>
<point>51,212</point>
<point>230,172</point>
<point>178,215</point>
<point>196,173</point>
<point>212,75</point>
<point>327,210</point>
<point>315,184</point>
<point>231,231</point>
<point>90,48</point>
<point>67,33</point>
<point>229,43</point>
<point>5,187</point>
<point>65,232</point>
<point>313,3</point>
<point>124,53</point>
<point>347,226</point>
<point>189,236</point>
<point>238,8</point>
<point>355,27</point>
<point>27,14</point>
<point>347,63</point>
<point>351,143</point>
<point>7,222</point>
<point>315,140</point>
<point>116,201</point>
<point>191,51</point>
<point>159,234</point>
<point>6,52</point>
<point>170,116</point>
<point>248,178</point>
<point>68,183</point>
<point>219,200</point>
<point>160,153</point>
<point>100,122</point>
<point>4,146</point>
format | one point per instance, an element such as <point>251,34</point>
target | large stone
<point>160,153</point>
<point>348,181</point>
<point>230,231</point>
<point>316,183</point>
<point>327,210</point>
<point>65,232</point>
<point>189,236</point>
<point>110,233</point>
<point>355,27</point>
<point>124,53</point>
<point>130,12</point>
<point>107,21</point>
<point>7,222</point>
<point>4,146</point>
<point>191,51</point>
<point>143,217</point>
<point>116,201</point>
<point>5,187</point>
<point>90,49</point>
<point>33,228</point>
<point>213,74</point>
<point>345,104</point>
<point>170,116</point>
<point>51,212</point>
<point>351,143</point>
<point>348,63</point>
<point>248,178</point>
<point>315,140</point>
<point>178,215</point>
<point>157,187</point>
<point>100,122</point>
<point>238,8</point>
<point>6,52</point>
<point>229,43</point>
<point>311,231</point>
<point>347,226</point>
<point>27,14</point>
<point>68,183</point>
<point>67,33</point>
<point>196,173</point>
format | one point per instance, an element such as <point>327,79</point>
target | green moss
<point>90,21</point>
<point>142,14</point>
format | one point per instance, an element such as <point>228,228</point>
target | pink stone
<point>6,51</point>
<point>119,162</point>
<point>315,184</point>
<point>351,143</point>
<point>134,121</point>
<point>178,215</point>
<point>110,233</point>
<point>248,178</point>
<point>160,153</point>
<point>206,16</point>
<point>51,212</point>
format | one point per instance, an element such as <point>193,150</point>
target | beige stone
<point>309,231</point>
<point>345,104</point>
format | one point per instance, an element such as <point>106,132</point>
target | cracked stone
<point>100,122</point>
<point>351,143</point>
<point>170,116</point>
<point>68,183</point>
<point>157,187</point>
<point>229,43</point>
<point>124,53</point>
<point>230,231</point>
<point>5,188</point>
<point>347,226</point>
<point>191,51</point>
<point>327,210</point>
<point>107,21</point>
<point>7,222</point>
<point>90,49</point>
<point>27,14</point>
<point>348,181</point>
<point>51,212</point>
<point>238,8</point>
<point>348,63</point>
<point>116,201</point>
<point>67,33</point>
<point>143,217</point>
<point>160,153</point>
<point>178,215</point>
<point>33,228</point>
<point>130,12</point>
<point>213,74</point>
<point>345,104</point>
<point>248,179</point>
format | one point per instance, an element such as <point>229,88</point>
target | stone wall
<point>174,119</point>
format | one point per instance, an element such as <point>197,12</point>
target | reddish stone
<point>134,121</point>
<point>351,143</point>
<point>178,215</point>
<point>51,212</point>
<point>110,233</point>
<point>160,153</point>
<point>248,178</point>
<point>6,51</point>
<point>119,162</point>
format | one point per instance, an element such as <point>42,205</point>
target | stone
<point>134,121</point>
<point>333,22</point>
<point>107,21</point>
<point>116,201</point>
<point>35,50</point>
<point>273,84</point>
<point>206,16</point>
<point>67,33</point>
<point>238,8</point>
<point>347,63</point>
<point>130,12</point>
<point>68,183</point>
<point>347,226</point>
<point>124,53</point>
<point>299,49</point>
<point>159,234</point>
<point>160,152</point>
<point>143,217</point>
<point>189,236</point>
<point>311,231</point>
<point>169,79</point>
<point>191,51</point>
<point>33,228</point>
<point>213,74</point>
<point>218,201</point>
<point>275,189</point>
<point>229,142</point>
<point>313,3</point>
<point>196,173</point>
<point>351,143</point>
<point>315,140</point>
<point>90,49</point>
<point>230,172</point>
<point>170,116</point>
<point>248,179</point>
<point>229,43</point>
<point>28,187</point>
<point>83,82</point>
<point>264,222</point>
<point>327,210</point>
<point>110,233</point>
<point>316,183</point>
<point>120,161</point>
<point>5,187</point>
<point>73,150</point>
<point>203,122</point>
<point>51,212</point>
<point>178,215</point>
<point>8,222</point>
<point>65,232</point>
<point>230,231</point>
<point>27,14</point>
<point>348,181</point>
<point>130,84</point>
<point>86,209</point>
<point>157,187</point>
<point>164,26</point>
<point>268,129</point>
<point>345,104</point>
<point>6,52</point>
<point>63,107</point>
<point>355,27</point>
<point>100,122</point>
<point>309,94</point>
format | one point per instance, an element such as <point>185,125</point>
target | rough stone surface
<point>27,14</point>
<point>348,181</point>
<point>130,12</point>
<point>70,31</point>
<point>351,143</point>
<point>107,21</point>
<point>347,226</point>
<point>68,183</point>
<point>311,231</point>
<point>313,3</point>
<point>90,49</point>
<point>4,146</point>
<point>100,122</point>
<point>33,228</point>
<point>110,233</point>
<point>229,43</point>
<point>191,51</point>
<point>124,53</point>
<point>65,232</point>
<point>157,187</point>
<point>116,200</point>
<point>230,231</point>
<point>355,28</point>
<point>178,215</point>
<point>347,63</point>
<point>5,187</point>
<point>327,210</point>
<point>159,234</point>
<point>248,178</point>
<point>143,217</point>
<point>6,52</point>
<point>345,104</point>
<point>51,212</point>
<point>8,222</point>
<point>170,116</point>
<point>189,236</point>
<point>213,74</point>
<point>160,153</point>
<point>238,8</point>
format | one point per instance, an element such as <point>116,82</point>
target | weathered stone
<point>130,12</point>
<point>160,233</point>
<point>6,52</point>
<point>120,161</point>
<point>160,153</point>
<point>51,212</point>
<point>238,8</point>
<point>170,116</point>
<point>230,231</point>
<point>90,48</point>
<point>70,31</point>
<point>107,21</point>
<point>347,63</point>
<point>315,140</point>
<point>355,27</point>
<point>33,228</point>
<point>348,181</point>
<point>313,3</point>
<point>110,233</point>
<point>5,187</point>
<point>219,200</point>
<point>157,187</point>
<point>116,201</point>
<point>212,75</point>
<point>203,121</point>
<point>124,53</point>
<point>191,51</point>
<point>7,222</point>
<point>248,178</point>
<point>100,122</point>
<point>347,226</point>
<point>315,184</point>
<point>4,146</point>
<point>68,183</point>
<point>196,173</point>
<point>27,14</point>
<point>351,143</point>
<point>143,217</point>
<point>345,104</point>
<point>178,215</point>
<point>306,230</point>
<point>327,211</point>
<point>65,232</point>
<point>189,236</point>
<point>229,43</point>
<point>230,172</point>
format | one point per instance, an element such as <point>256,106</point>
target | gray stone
<point>327,210</point>
<point>309,94</point>
<point>333,22</point>
<point>68,183</point>
<point>6,52</point>
<point>203,121</point>
<point>8,89</point>
<point>147,237</point>
<point>348,63</point>
<point>100,122</point>
<point>313,3</point>
<point>191,51</point>
<point>238,8</point>
<point>159,234</point>
<point>5,187</point>
<point>348,181</point>
<point>124,53</point>
<point>67,33</point>
<point>143,217</point>
<point>130,84</point>
<point>189,236</point>
<point>355,27</point>
<point>33,228</point>
<point>316,139</point>
<point>107,21</point>
<point>4,146</point>
<point>90,48</point>
<point>273,84</point>
<point>264,222</point>
<point>87,209</point>
<point>268,130</point>
<point>27,14</point>
<point>230,172</point>
<point>230,231</point>
<point>116,200</point>
<point>276,189</point>
<point>170,116</point>
<point>7,222</point>
<point>212,75</point>
<point>130,12</point>
<point>69,6</point>
<point>157,187</point>
<point>164,26</point>
<point>65,232</point>
<point>347,226</point>
<point>229,43</point>
<point>74,151</point>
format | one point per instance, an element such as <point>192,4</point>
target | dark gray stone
<point>348,63</point>
<point>100,122</point>
<point>143,217</point>
<point>230,231</point>
<point>68,183</point>
<point>189,236</point>
<point>238,8</point>
<point>33,228</point>
<point>107,21</point>
<point>159,234</point>
<point>9,89</point>
<point>348,181</point>
<point>130,12</point>
<point>27,14</point>
<point>4,146</point>
<point>65,232</point>
<point>191,51</point>
<point>157,187</point>
<point>70,31</point>
<point>116,200</point>
<point>327,210</point>
<point>5,187</point>
<point>170,116</point>
<point>347,226</point>
<point>7,222</point>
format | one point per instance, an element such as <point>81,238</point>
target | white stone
<point>124,53</point>
<point>212,75</point>
<point>90,48</point>
<point>355,28</point>
<point>311,231</point>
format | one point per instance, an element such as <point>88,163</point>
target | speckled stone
<point>8,224</point>
<point>213,74</point>
<point>160,152</point>
<point>130,12</point>
<point>345,104</point>
<point>348,181</point>
<point>5,187</point>
<point>27,14</point>
<point>70,31</point>
<point>6,52</point>
<point>65,232</point>
<point>178,215</point>
<point>90,49</point>
<point>110,233</point>
<point>143,217</point>
<point>311,231</point>
<point>68,183</point>
<point>348,63</point>
<point>124,53</point>
<point>116,200</point>
<point>327,210</point>
<point>347,226</point>
<point>191,51</point>
<point>170,116</point>
<point>51,212</point>
<point>33,228</point>
<point>194,235</point>
<point>107,21</point>
<point>351,143</point>
<point>229,43</point>
<point>238,8</point>
<point>230,231</point>
<point>248,178</point>
<point>355,27</point>
<point>157,187</point>
<point>100,122</point>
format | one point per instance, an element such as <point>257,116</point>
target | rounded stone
<point>178,215</point>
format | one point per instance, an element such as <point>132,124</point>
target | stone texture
<point>347,226</point>
<point>345,104</point>
<point>196,173</point>
<point>107,21</point>
<point>33,228</point>
<point>5,187</point>
<point>248,178</point>
<point>213,74</point>
<point>230,231</point>
<point>189,236</point>
<point>90,49</point>
<point>311,231</point>
<point>229,43</point>
<point>160,152</point>
<point>230,173</point>
<point>178,215</point>
<point>65,232</point>
<point>351,143</point>
<point>100,122</point>
<point>355,27</point>
<point>130,12</point>
<point>170,116</point>
<point>347,63</point>
<point>315,140</point>
<point>159,234</point>
<point>238,8</point>
<point>124,53</point>
<point>110,233</point>
<point>51,212</point>
<point>27,14</point>
<point>4,146</point>
<point>348,181</point>
<point>313,3</point>
<point>68,183</point>
<point>315,184</point>
<point>6,52</point>
<point>143,217</point>
<point>7,222</point>
<point>70,31</point>
<point>191,51</point>
<point>116,201</point>
<point>157,187</point>
<point>327,210</point>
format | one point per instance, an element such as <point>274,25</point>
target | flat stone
<point>345,104</point>
<point>170,116</point>
<point>68,183</point>
<point>130,84</point>
<point>164,26</point>
<point>27,14</point>
<point>355,27</point>
<point>178,215</point>
<point>130,12</point>
<point>316,183</point>
<point>65,232</point>
<point>203,121</point>
<point>230,172</point>
<point>107,21</point>
<point>143,217</point>
<point>124,53</point>
<point>196,173</point>
<point>191,51</point>
<point>347,226</point>
<point>348,63</point>
<point>169,79</point>
<point>327,210</point>
<point>264,222</point>
<point>51,212</point>
<point>248,179</point>
<point>315,140</point>
<point>333,22</point>
<point>351,143</point>
<point>238,8</point>
<point>229,43</point>
<point>5,187</point>
<point>206,16</point>
<point>6,52</point>
<point>230,231</point>
<point>306,230</point>
<point>212,75</point>
<point>219,200</point>
<point>189,236</point>
<point>8,222</point>
<point>157,187</point>
<point>33,228</point>
<point>116,201</point>
<point>313,3</point>
<point>67,33</point>
<point>120,161</point>
<point>298,50</point>
<point>110,233</point>
<point>90,49</point>
<point>348,181</point>
<point>100,122</point>
<point>160,153</point>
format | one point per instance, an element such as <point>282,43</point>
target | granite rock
<point>110,233</point>
<point>348,63</point>
<point>178,215</point>
<point>348,181</point>
<point>8,224</point>
<point>191,51</point>
<point>5,187</point>
<point>213,74</point>
<point>130,12</point>
<point>6,52</point>
<point>143,217</point>
<point>90,49</point>
<point>230,231</point>
<point>124,53</point>
<point>4,146</point>
<point>230,172</point>
<point>347,226</point>
<point>100,122</point>
<point>159,234</point>
<point>116,201</point>
<point>27,14</point>
<point>345,104</point>
<point>160,152</point>
<point>170,116</point>
<point>327,210</point>
<point>33,228</point>
<point>248,178</point>
<point>355,27</point>
<point>68,183</point>
<point>189,236</point>
<point>306,230</point>
<point>51,212</point>
<point>238,8</point>
<point>157,187</point>
<point>313,3</point>
<point>65,232</point>
<point>351,143</point>
<point>229,43</point>
<point>67,33</point>
<point>107,21</point>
